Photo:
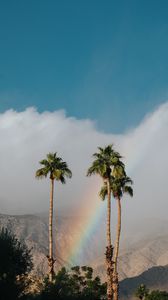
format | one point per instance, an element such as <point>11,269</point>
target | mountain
<point>154,278</point>
<point>139,257</point>
<point>140,251</point>
<point>33,230</point>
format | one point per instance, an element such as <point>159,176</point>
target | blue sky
<point>103,60</point>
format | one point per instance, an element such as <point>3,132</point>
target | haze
<point>27,136</point>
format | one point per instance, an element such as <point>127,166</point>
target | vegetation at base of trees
<point>143,293</point>
<point>15,264</point>
<point>78,283</point>
<point>157,295</point>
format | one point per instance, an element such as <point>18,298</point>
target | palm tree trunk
<point>50,257</point>
<point>109,248</point>
<point>115,272</point>
<point>108,214</point>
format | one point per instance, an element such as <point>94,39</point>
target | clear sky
<point>103,60</point>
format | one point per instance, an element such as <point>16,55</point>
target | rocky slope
<point>33,230</point>
<point>146,249</point>
<point>140,257</point>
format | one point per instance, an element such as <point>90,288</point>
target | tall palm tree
<point>57,169</point>
<point>119,185</point>
<point>105,162</point>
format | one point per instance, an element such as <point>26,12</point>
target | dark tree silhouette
<point>15,264</point>
<point>76,284</point>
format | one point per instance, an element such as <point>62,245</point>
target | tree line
<point>16,281</point>
<point>143,293</point>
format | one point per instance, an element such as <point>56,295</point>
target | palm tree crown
<point>107,161</point>
<point>118,186</point>
<point>55,167</point>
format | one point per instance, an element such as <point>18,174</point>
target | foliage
<point>143,293</point>
<point>118,186</point>
<point>15,263</point>
<point>55,167</point>
<point>157,295</point>
<point>78,283</point>
<point>106,163</point>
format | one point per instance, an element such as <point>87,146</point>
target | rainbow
<point>93,210</point>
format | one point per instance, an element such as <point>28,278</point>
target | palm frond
<point>128,190</point>
<point>55,167</point>
<point>51,156</point>
<point>108,164</point>
<point>128,180</point>
<point>68,173</point>
<point>103,192</point>
<point>44,162</point>
<point>62,179</point>
<point>105,161</point>
<point>41,173</point>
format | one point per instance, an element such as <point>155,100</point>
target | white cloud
<point>27,136</point>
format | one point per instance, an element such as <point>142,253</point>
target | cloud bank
<point>27,136</point>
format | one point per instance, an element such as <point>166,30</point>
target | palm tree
<point>107,161</point>
<point>119,184</point>
<point>57,169</point>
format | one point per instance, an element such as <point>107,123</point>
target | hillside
<point>34,231</point>
<point>140,257</point>
<point>136,257</point>
<point>154,278</point>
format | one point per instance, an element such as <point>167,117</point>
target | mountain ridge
<point>135,258</point>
